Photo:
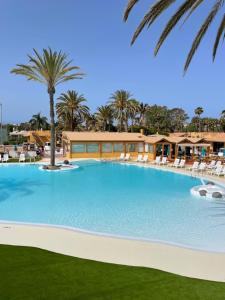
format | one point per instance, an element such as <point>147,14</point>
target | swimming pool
<point>116,199</point>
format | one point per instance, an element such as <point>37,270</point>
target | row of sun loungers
<point>21,157</point>
<point>213,168</point>
<point>140,158</point>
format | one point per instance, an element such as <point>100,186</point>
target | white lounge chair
<point>157,160</point>
<point>5,157</point>
<point>176,162</point>
<point>32,155</point>
<point>202,167</point>
<point>22,157</point>
<point>122,156</point>
<point>223,172</point>
<point>218,163</point>
<point>127,157</point>
<point>211,165</point>
<point>139,158</point>
<point>145,158</point>
<point>181,164</point>
<point>164,161</point>
<point>194,167</point>
<point>13,154</point>
<point>218,171</point>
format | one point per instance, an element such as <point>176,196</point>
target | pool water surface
<point>116,199</point>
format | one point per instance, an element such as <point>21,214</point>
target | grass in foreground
<point>29,273</point>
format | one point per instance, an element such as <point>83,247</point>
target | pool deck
<point>170,258</point>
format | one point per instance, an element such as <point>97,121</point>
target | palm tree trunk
<point>126,126</point>
<point>132,124</point>
<point>121,124</point>
<point>71,125</point>
<point>52,124</point>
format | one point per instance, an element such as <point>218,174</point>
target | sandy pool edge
<point>182,261</point>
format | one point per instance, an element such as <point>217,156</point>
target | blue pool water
<point>115,199</point>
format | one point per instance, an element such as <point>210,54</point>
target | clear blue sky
<point>93,34</point>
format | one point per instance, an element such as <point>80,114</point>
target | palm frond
<point>192,10</point>
<point>156,10</point>
<point>185,7</point>
<point>50,68</point>
<point>202,32</point>
<point>129,7</point>
<point>220,32</point>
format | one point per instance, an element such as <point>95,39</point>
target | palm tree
<point>185,10</point>
<point>104,116</point>
<point>198,112</point>
<point>143,109</point>
<point>223,114</point>
<point>91,122</point>
<point>38,122</point>
<point>132,111</point>
<point>222,120</point>
<point>51,69</point>
<point>71,108</point>
<point>120,104</point>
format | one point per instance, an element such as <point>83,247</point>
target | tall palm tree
<point>71,108</point>
<point>120,104</point>
<point>185,10</point>
<point>198,112</point>
<point>50,68</point>
<point>104,116</point>
<point>38,122</point>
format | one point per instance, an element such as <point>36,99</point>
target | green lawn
<point>29,273</point>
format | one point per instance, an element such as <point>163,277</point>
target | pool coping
<point>166,256</point>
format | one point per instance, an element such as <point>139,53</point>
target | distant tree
<point>157,119</point>
<point>38,122</point>
<point>24,126</point>
<point>222,120</point>
<point>51,69</point>
<point>178,118</point>
<point>223,114</point>
<point>132,112</point>
<point>10,127</point>
<point>120,105</point>
<point>91,122</point>
<point>198,112</point>
<point>104,117</point>
<point>143,109</point>
<point>210,124</point>
<point>71,109</point>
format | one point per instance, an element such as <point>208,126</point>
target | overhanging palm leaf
<point>51,69</point>
<point>185,10</point>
